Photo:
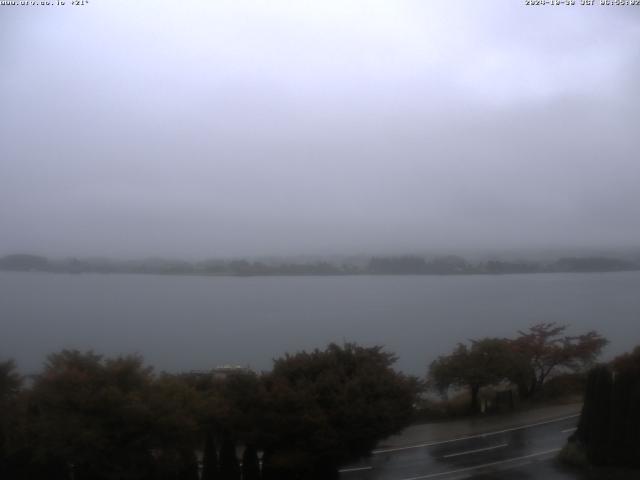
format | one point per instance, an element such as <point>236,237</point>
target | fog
<point>198,129</point>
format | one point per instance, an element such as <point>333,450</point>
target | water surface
<point>183,323</point>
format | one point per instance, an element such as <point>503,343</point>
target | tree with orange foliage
<point>543,350</point>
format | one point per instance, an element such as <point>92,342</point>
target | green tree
<point>175,431</point>
<point>239,406</point>
<point>609,426</point>
<point>10,386</point>
<point>595,420</point>
<point>10,381</point>
<point>229,468</point>
<point>625,414</point>
<point>331,406</point>
<point>250,464</point>
<point>90,415</point>
<point>485,362</point>
<point>113,419</point>
<point>210,458</point>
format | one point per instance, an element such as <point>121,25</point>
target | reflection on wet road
<point>521,452</point>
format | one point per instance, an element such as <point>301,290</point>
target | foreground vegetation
<point>608,433</point>
<point>526,363</point>
<point>89,417</point>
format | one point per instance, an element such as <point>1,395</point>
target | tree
<point>543,349</point>
<point>625,415</point>
<point>331,406</point>
<point>484,362</point>
<point>23,262</point>
<point>250,464</point>
<point>398,265</point>
<point>595,419</point>
<point>90,414</point>
<point>10,381</point>
<point>189,470</point>
<point>112,418</point>
<point>239,406</point>
<point>609,426</point>
<point>174,430</point>
<point>229,468</point>
<point>269,471</point>
<point>210,458</point>
<point>10,385</point>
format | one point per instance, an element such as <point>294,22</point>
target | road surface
<point>522,452</point>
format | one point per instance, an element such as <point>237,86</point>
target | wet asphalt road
<point>517,453</point>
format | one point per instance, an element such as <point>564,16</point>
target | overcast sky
<point>223,128</point>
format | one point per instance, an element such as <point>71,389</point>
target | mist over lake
<point>185,323</point>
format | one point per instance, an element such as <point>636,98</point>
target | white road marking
<point>481,435</point>
<point>484,465</point>
<point>355,469</point>
<point>468,452</point>
<point>569,430</point>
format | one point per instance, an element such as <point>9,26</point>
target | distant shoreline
<point>364,274</point>
<point>375,266</point>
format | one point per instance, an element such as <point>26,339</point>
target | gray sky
<point>220,128</point>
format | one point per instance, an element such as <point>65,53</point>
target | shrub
<point>573,455</point>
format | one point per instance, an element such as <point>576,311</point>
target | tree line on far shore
<point>392,265</point>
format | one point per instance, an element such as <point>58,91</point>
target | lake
<point>183,323</point>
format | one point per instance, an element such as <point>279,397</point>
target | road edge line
<point>469,437</point>
<point>484,465</point>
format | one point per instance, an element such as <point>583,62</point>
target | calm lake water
<point>183,323</point>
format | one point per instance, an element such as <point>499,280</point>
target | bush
<point>609,426</point>
<point>573,455</point>
<point>565,385</point>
